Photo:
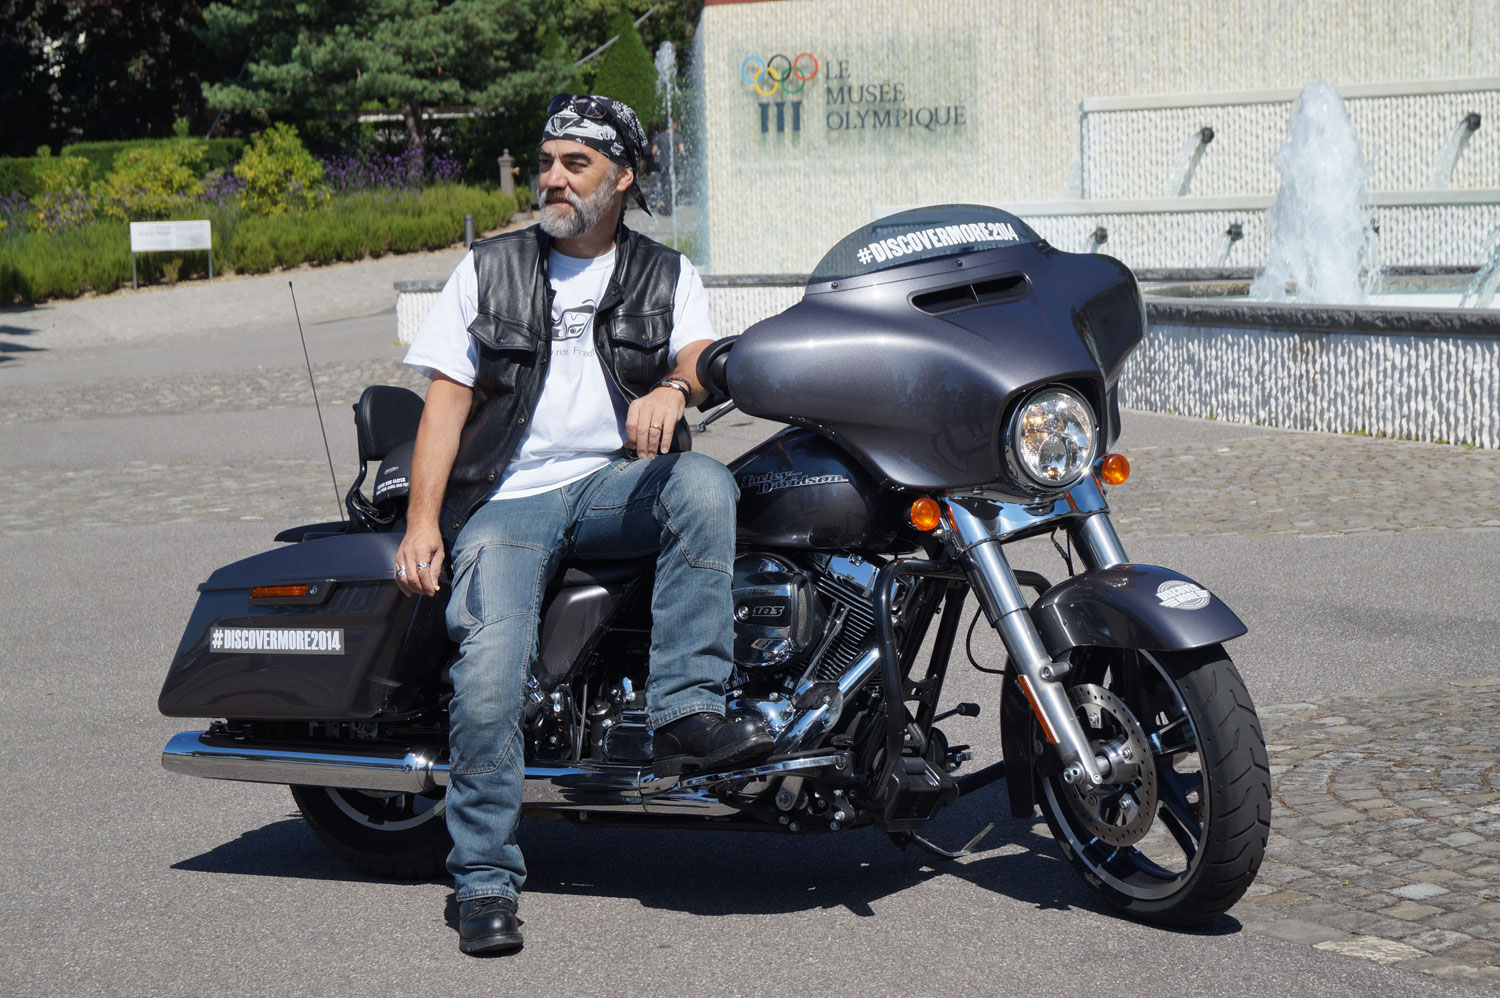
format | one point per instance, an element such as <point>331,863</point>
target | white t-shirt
<point>579,421</point>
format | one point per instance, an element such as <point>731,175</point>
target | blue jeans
<point>680,507</point>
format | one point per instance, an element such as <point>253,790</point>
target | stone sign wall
<point>822,113</point>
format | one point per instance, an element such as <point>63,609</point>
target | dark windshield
<point>921,234</point>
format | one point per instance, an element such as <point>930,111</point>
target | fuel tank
<point>798,490</point>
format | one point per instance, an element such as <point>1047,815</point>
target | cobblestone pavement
<point>1299,484</point>
<point>266,388</point>
<point>1386,821</point>
<point>1385,840</point>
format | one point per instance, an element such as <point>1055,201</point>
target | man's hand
<point>420,556</point>
<point>651,419</point>
<point>419,559</point>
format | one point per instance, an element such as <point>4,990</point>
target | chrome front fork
<point>977,540</point>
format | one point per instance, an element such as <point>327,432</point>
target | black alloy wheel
<point>1178,837</point>
<point>400,836</point>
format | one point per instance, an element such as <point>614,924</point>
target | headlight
<point>1052,437</point>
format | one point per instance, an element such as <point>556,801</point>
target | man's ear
<point>627,177</point>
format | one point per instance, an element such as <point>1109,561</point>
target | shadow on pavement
<point>285,848</point>
<point>728,873</point>
<point>8,347</point>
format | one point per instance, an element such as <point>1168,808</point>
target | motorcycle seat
<point>581,572</point>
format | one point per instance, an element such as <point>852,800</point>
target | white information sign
<point>154,237</point>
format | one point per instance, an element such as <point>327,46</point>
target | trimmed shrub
<point>18,175</point>
<point>279,173</point>
<point>250,252</point>
<point>36,266</point>
<point>218,154</point>
<point>96,255</point>
<point>626,70</point>
<point>153,181</point>
<point>60,174</point>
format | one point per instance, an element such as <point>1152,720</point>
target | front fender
<point>1132,606</point>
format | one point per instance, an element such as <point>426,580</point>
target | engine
<point>795,621</point>
<point>811,618</point>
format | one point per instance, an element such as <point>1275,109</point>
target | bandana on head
<point>617,134</point>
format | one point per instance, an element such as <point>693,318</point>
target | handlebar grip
<point>713,364</point>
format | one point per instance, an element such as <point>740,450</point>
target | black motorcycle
<point>948,382</point>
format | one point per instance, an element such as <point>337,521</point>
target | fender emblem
<point>1179,594</point>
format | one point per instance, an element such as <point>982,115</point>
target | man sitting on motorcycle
<point>561,360</point>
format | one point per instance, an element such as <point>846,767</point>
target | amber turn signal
<point>925,514</point>
<point>277,592</point>
<point>1114,469</point>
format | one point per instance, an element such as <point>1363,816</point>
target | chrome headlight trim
<point>1053,439</point>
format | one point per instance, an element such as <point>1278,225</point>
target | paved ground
<point>149,437</point>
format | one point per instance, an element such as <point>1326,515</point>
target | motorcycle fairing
<point>934,355</point>
<point>1132,606</point>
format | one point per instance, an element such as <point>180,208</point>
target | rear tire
<point>391,835</point>
<point>1209,791</point>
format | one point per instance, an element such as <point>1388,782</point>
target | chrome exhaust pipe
<point>346,768</point>
<point>606,788</point>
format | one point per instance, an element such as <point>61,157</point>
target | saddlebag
<point>350,648</point>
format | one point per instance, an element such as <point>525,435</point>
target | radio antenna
<point>337,502</point>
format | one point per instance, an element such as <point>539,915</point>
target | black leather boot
<point>707,741</point>
<point>488,925</point>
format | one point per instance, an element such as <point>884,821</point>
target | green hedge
<point>21,173</point>
<point>18,173</point>
<point>96,256</point>
<point>221,154</point>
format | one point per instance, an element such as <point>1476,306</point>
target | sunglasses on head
<point>590,108</point>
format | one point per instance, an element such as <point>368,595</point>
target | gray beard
<point>560,223</point>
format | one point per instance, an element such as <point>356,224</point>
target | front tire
<point>392,835</point>
<point>1204,792</point>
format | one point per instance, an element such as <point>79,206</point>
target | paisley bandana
<point>606,126</point>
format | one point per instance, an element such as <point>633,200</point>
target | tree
<point>96,69</point>
<point>587,24</point>
<point>626,72</point>
<point>322,56</point>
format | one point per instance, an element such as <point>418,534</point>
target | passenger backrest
<point>385,417</point>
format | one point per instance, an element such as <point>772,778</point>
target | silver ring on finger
<point>422,564</point>
<point>400,571</point>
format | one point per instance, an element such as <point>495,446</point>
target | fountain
<point>1308,346</point>
<point>1227,239</point>
<point>666,86</point>
<point>1453,148</point>
<point>1481,290</point>
<point>1186,163</point>
<point>1322,242</point>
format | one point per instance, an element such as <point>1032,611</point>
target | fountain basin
<point>1417,368</point>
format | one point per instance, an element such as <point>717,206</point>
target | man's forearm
<point>443,420</point>
<point>687,369</point>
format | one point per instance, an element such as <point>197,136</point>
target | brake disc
<point>1120,812</point>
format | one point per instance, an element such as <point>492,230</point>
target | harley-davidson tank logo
<point>1179,594</point>
<point>282,640</point>
<point>770,481</point>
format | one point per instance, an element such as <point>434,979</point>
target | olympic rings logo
<point>779,73</point>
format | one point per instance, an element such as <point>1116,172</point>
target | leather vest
<point>512,331</point>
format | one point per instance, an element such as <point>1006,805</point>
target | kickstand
<point>904,838</point>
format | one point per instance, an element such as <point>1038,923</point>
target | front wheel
<point>396,835</point>
<point>1178,834</point>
